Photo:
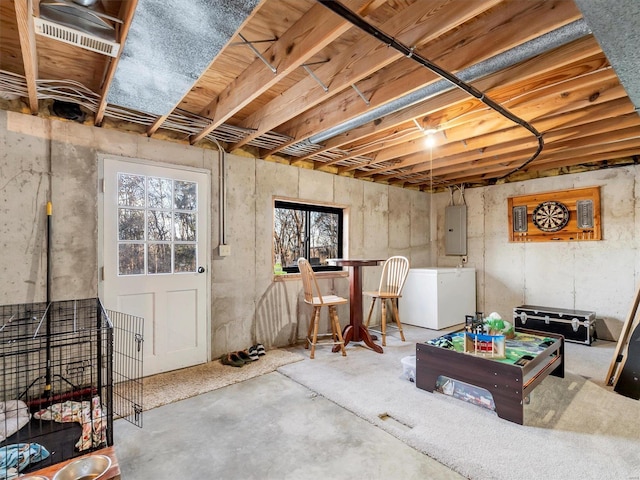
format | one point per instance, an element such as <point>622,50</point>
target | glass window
<point>157,228</point>
<point>305,230</point>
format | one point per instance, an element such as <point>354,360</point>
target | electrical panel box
<point>455,230</point>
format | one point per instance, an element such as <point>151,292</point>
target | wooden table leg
<point>365,337</point>
<point>356,331</point>
<point>355,302</point>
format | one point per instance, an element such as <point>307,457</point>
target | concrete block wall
<point>246,304</point>
<point>600,276</point>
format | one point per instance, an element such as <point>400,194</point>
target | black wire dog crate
<point>57,394</point>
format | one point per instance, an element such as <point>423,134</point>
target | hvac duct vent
<point>74,37</point>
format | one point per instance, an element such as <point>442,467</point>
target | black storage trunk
<point>576,326</point>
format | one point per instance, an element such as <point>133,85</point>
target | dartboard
<point>550,216</point>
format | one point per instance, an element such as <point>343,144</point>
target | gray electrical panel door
<point>455,225</point>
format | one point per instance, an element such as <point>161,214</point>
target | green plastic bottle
<point>277,268</point>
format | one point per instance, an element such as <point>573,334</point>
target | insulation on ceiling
<point>169,45</point>
<point>616,27</point>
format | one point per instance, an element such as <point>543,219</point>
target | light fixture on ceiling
<point>430,137</point>
<point>429,134</point>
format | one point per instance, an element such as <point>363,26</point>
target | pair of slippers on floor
<point>242,357</point>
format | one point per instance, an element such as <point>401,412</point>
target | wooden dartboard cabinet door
<point>572,215</point>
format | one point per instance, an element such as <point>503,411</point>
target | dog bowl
<point>87,468</point>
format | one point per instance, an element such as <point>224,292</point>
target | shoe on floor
<point>253,353</point>
<point>232,359</point>
<point>245,356</point>
<point>257,349</point>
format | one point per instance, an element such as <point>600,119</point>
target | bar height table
<point>356,331</point>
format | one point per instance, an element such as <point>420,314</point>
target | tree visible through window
<point>310,231</point>
<point>157,229</point>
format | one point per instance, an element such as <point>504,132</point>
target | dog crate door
<point>128,341</point>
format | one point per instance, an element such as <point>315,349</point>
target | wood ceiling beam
<point>317,28</point>
<point>588,161</point>
<point>127,9</point>
<point>600,143</point>
<point>362,60</point>
<point>443,110</point>
<point>585,57</point>
<point>486,130</point>
<point>563,160</point>
<point>401,136</point>
<point>26,32</point>
<point>556,140</point>
<point>536,105</point>
<point>481,149</point>
<point>579,151</point>
<point>513,80</point>
<point>462,144</point>
<point>555,129</point>
<point>493,33</point>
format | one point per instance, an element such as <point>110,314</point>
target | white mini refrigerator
<point>438,298</point>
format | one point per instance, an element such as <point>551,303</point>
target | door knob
<point>200,269</point>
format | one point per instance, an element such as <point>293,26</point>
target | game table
<point>530,357</point>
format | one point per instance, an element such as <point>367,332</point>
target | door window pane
<point>185,227</point>
<point>185,258</point>
<point>131,190</point>
<point>159,258</point>
<point>131,259</point>
<point>159,225</point>
<point>186,195</point>
<point>130,224</point>
<point>159,191</point>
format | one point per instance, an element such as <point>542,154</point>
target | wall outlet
<point>224,250</point>
<point>464,259</point>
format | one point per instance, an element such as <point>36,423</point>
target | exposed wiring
<point>409,52</point>
<point>451,202</point>
<point>461,188</point>
<point>451,192</point>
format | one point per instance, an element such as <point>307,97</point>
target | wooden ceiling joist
<point>26,30</point>
<point>342,101</point>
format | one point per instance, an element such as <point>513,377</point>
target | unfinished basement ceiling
<point>521,88</point>
<point>169,45</point>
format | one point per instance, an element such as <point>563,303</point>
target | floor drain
<point>394,421</point>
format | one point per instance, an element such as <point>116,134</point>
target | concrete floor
<point>265,428</point>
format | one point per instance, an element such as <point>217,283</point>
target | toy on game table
<point>474,323</point>
<point>483,345</point>
<point>494,325</point>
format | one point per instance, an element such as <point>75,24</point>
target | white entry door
<point>154,239</point>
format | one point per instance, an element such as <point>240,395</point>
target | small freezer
<point>438,298</point>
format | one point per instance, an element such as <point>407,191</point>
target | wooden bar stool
<point>313,297</point>
<point>394,274</point>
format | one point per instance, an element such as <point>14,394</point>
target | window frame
<point>308,208</point>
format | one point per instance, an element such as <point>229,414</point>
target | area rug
<point>574,428</point>
<point>177,385</point>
